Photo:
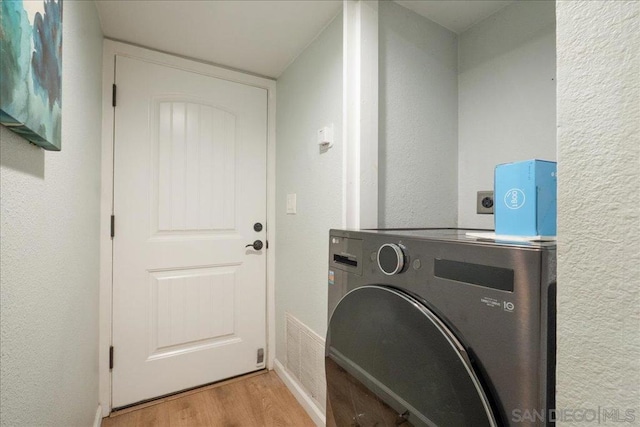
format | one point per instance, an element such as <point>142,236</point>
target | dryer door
<point>391,361</point>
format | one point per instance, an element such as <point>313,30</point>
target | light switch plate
<point>484,203</point>
<point>291,204</point>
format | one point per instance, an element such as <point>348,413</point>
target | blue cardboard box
<point>526,198</point>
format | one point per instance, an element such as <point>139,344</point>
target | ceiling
<point>261,37</point>
<point>258,36</point>
<point>455,15</point>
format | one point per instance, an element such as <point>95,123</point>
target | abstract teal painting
<point>31,70</point>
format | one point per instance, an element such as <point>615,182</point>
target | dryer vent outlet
<point>305,359</point>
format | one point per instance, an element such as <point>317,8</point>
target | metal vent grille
<point>305,359</point>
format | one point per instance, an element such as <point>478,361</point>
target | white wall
<point>418,120</point>
<point>309,97</point>
<point>506,96</point>
<point>49,265</point>
<point>598,205</point>
<point>452,107</point>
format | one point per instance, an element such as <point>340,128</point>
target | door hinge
<point>110,358</point>
<point>113,95</point>
<point>113,226</point>
<point>260,356</point>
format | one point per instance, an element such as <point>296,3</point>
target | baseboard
<point>305,401</point>
<point>97,421</point>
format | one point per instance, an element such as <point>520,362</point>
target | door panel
<point>189,299</point>
<point>195,168</point>
<point>191,308</point>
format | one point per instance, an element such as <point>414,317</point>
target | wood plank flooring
<point>257,400</point>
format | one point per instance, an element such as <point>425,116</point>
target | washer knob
<point>391,259</point>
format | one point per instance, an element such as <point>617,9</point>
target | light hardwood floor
<point>255,400</point>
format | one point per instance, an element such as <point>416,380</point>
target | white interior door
<point>189,299</point>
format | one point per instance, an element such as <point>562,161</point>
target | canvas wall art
<point>31,70</point>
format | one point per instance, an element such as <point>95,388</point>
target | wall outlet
<point>484,202</point>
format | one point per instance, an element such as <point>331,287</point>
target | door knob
<point>257,245</point>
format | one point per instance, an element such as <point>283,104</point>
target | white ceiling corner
<point>455,15</point>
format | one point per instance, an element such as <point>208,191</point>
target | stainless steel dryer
<point>430,327</point>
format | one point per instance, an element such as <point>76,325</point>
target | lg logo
<point>508,306</point>
<point>514,199</point>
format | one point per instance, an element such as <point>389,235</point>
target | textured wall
<point>418,120</point>
<point>507,98</point>
<point>598,205</point>
<point>49,265</point>
<point>309,97</point>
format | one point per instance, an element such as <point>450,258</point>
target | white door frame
<point>110,50</point>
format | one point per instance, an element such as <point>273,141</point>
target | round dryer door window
<point>391,361</point>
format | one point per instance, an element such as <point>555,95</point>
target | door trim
<point>110,50</point>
